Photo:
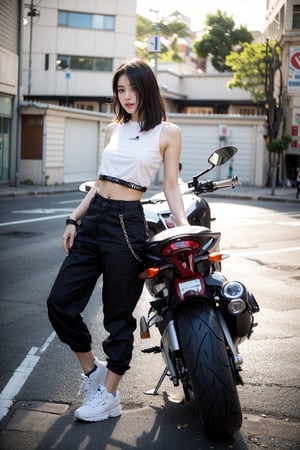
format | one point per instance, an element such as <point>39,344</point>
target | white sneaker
<point>90,384</point>
<point>100,407</point>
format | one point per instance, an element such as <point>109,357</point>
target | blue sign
<point>154,44</point>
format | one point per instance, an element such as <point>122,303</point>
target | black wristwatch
<point>70,221</point>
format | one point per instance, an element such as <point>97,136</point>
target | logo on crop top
<point>136,138</point>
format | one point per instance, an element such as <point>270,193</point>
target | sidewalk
<point>45,426</point>
<point>243,192</point>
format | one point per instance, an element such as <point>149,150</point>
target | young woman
<point>111,237</point>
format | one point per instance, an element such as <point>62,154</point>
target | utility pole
<point>155,43</point>
<point>68,76</point>
<point>154,46</point>
<point>33,12</point>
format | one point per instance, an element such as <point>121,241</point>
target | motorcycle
<point>201,316</point>
<point>156,209</point>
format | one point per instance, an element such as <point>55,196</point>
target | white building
<point>9,51</point>
<point>63,52</point>
<point>72,48</point>
<point>283,25</point>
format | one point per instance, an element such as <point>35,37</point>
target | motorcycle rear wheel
<point>206,360</point>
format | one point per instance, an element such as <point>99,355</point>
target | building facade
<point>72,48</point>
<point>62,52</point>
<point>283,26</point>
<point>9,72</point>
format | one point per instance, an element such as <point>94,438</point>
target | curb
<point>257,197</point>
<point>8,192</point>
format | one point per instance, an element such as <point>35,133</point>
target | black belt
<point>128,184</point>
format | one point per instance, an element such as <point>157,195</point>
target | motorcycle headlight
<point>236,306</point>
<point>233,289</point>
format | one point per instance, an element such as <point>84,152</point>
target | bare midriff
<point>115,191</point>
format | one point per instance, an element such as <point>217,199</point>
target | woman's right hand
<point>69,237</point>
<point>77,214</point>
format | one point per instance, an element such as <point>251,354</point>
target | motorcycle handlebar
<point>211,186</point>
<point>231,182</point>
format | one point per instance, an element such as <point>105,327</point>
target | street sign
<point>295,60</point>
<point>153,44</point>
<point>294,71</point>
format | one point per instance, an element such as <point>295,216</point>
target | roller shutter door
<point>81,148</point>
<point>198,142</point>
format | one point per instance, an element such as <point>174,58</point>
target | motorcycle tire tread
<point>206,359</point>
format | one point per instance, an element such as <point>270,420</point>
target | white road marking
<point>69,201</point>
<point>252,222</point>
<point>20,376</point>
<point>42,211</point>
<point>265,252</point>
<point>290,223</point>
<point>39,219</point>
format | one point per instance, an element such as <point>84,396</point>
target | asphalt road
<point>264,242</point>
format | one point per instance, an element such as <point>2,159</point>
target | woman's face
<point>128,97</point>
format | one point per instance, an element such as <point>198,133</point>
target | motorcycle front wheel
<point>206,360</point>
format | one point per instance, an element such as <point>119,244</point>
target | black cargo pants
<point>110,242</point>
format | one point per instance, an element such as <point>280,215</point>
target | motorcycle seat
<point>206,238</point>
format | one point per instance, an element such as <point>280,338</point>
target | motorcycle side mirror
<point>217,158</point>
<point>86,186</point>
<point>222,155</point>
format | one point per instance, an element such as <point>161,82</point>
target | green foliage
<point>220,39</point>
<point>169,49</point>
<point>179,29</point>
<point>279,145</point>
<point>144,28</point>
<point>249,67</point>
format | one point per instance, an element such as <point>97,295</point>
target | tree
<point>276,93</point>
<point>144,28</point>
<point>169,34</point>
<point>276,148</point>
<point>180,29</point>
<point>249,70</point>
<point>220,39</point>
<point>257,69</point>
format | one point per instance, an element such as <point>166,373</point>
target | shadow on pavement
<point>157,428</point>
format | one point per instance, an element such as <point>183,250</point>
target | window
<point>103,64</point>
<point>77,20</point>
<point>5,141</point>
<point>5,106</point>
<point>81,63</point>
<point>296,17</point>
<point>64,62</point>
<point>62,18</point>
<point>86,21</point>
<point>109,23</point>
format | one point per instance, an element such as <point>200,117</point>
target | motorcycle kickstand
<point>155,390</point>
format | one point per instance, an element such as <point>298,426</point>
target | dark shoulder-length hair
<point>151,107</point>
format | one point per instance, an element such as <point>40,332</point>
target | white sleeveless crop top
<point>131,154</point>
